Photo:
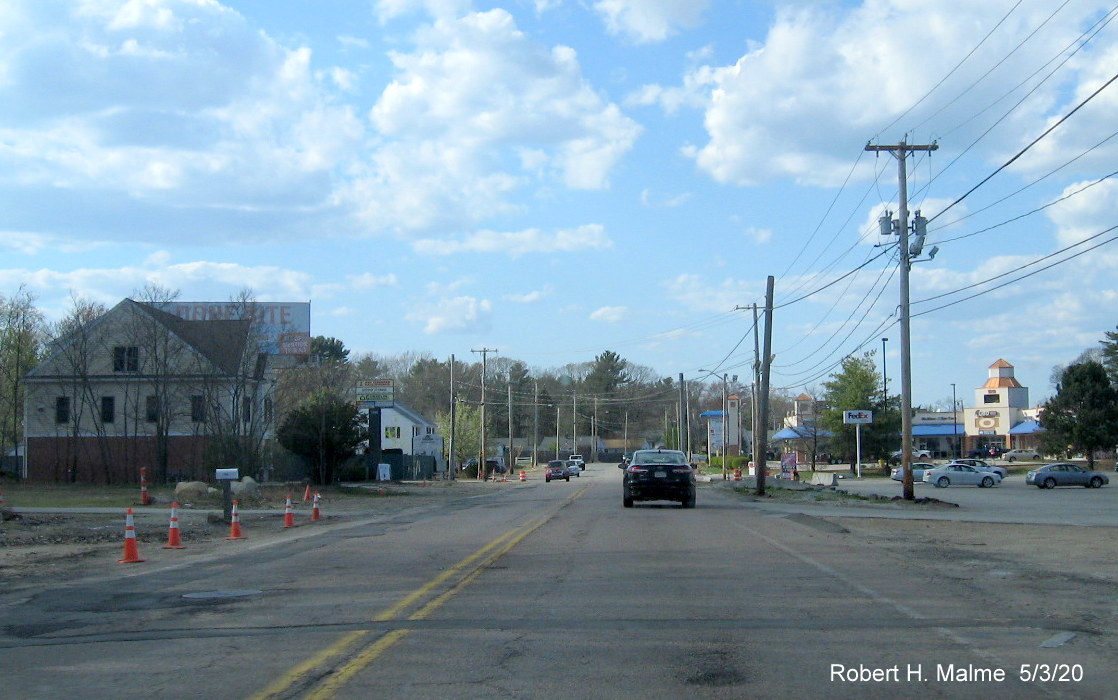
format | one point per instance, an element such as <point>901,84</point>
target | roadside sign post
<point>858,419</point>
<point>227,477</point>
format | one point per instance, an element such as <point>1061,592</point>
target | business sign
<point>283,328</point>
<point>857,417</point>
<point>374,393</point>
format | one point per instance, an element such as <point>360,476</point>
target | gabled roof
<point>221,343</point>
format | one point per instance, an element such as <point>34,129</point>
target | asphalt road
<point>541,591</point>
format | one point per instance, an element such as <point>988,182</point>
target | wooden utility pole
<point>763,393</point>
<point>900,152</point>
<point>481,459</point>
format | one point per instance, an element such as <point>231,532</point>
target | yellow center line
<point>334,680</point>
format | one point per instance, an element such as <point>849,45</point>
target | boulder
<point>246,488</point>
<point>190,490</point>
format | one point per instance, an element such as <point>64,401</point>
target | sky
<point>557,178</point>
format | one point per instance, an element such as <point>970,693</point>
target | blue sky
<point>556,178</point>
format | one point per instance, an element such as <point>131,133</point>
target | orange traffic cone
<point>173,541</point>
<point>235,525</point>
<point>288,514</point>
<point>307,493</point>
<point>523,475</point>
<point>314,509</point>
<point>131,552</point>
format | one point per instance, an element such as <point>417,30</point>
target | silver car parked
<point>961,474</point>
<point>1065,474</point>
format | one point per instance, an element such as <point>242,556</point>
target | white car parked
<point>1014,455</point>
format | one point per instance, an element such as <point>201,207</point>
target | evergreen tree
<point>1083,415</point>
<point>857,386</point>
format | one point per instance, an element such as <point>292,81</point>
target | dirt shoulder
<point>38,546</point>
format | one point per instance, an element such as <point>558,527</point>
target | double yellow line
<point>327,671</point>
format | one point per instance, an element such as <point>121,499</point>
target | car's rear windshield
<point>665,457</point>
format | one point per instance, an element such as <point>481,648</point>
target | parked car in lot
<point>1014,455</point>
<point>961,474</point>
<point>918,469</point>
<point>895,457</point>
<point>1065,474</point>
<point>658,475</point>
<point>982,466</point>
<point>556,469</point>
<point>573,468</point>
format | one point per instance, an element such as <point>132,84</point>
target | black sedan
<point>556,469</point>
<point>1066,474</point>
<point>658,475</point>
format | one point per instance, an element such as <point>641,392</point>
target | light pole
<point>725,473</point>
<point>955,420</point>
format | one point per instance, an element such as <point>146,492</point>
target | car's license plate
<point>661,475</point>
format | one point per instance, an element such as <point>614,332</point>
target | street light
<point>725,418</point>
<point>955,420</point>
<point>884,379</point>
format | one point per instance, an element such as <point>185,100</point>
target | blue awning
<point>1027,428</point>
<point>800,433</point>
<point>938,430</point>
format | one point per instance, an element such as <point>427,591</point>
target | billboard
<point>284,326</point>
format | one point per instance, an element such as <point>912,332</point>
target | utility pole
<point>681,441</point>
<point>481,459</point>
<point>762,444</point>
<point>512,459</point>
<point>900,152</point>
<point>452,459</point>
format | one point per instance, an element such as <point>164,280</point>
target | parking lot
<point>1012,502</point>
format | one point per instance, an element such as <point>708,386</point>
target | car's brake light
<point>637,470</point>
<point>682,470</point>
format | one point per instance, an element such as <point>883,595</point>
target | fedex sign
<point>861,417</point>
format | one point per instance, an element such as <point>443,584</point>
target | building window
<point>108,409</point>
<point>415,431</point>
<point>268,411</point>
<point>392,432</point>
<point>151,409</point>
<point>246,410</point>
<point>991,398</point>
<point>62,409</point>
<point>126,358</point>
<point>197,409</point>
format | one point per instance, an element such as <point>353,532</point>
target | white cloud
<point>1087,213</point>
<point>474,100</point>
<point>530,297</point>
<point>610,314</point>
<point>516,244</point>
<point>457,315</point>
<point>645,21</point>
<point>763,112</point>
<point>700,293</point>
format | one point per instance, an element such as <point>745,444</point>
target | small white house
<point>407,431</point>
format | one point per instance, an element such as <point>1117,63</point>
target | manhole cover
<point>222,594</point>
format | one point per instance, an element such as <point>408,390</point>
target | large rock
<point>187,491</point>
<point>246,488</point>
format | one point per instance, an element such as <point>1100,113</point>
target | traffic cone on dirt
<point>131,552</point>
<point>173,540</point>
<point>288,514</point>
<point>307,493</point>
<point>315,515</point>
<point>235,525</point>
